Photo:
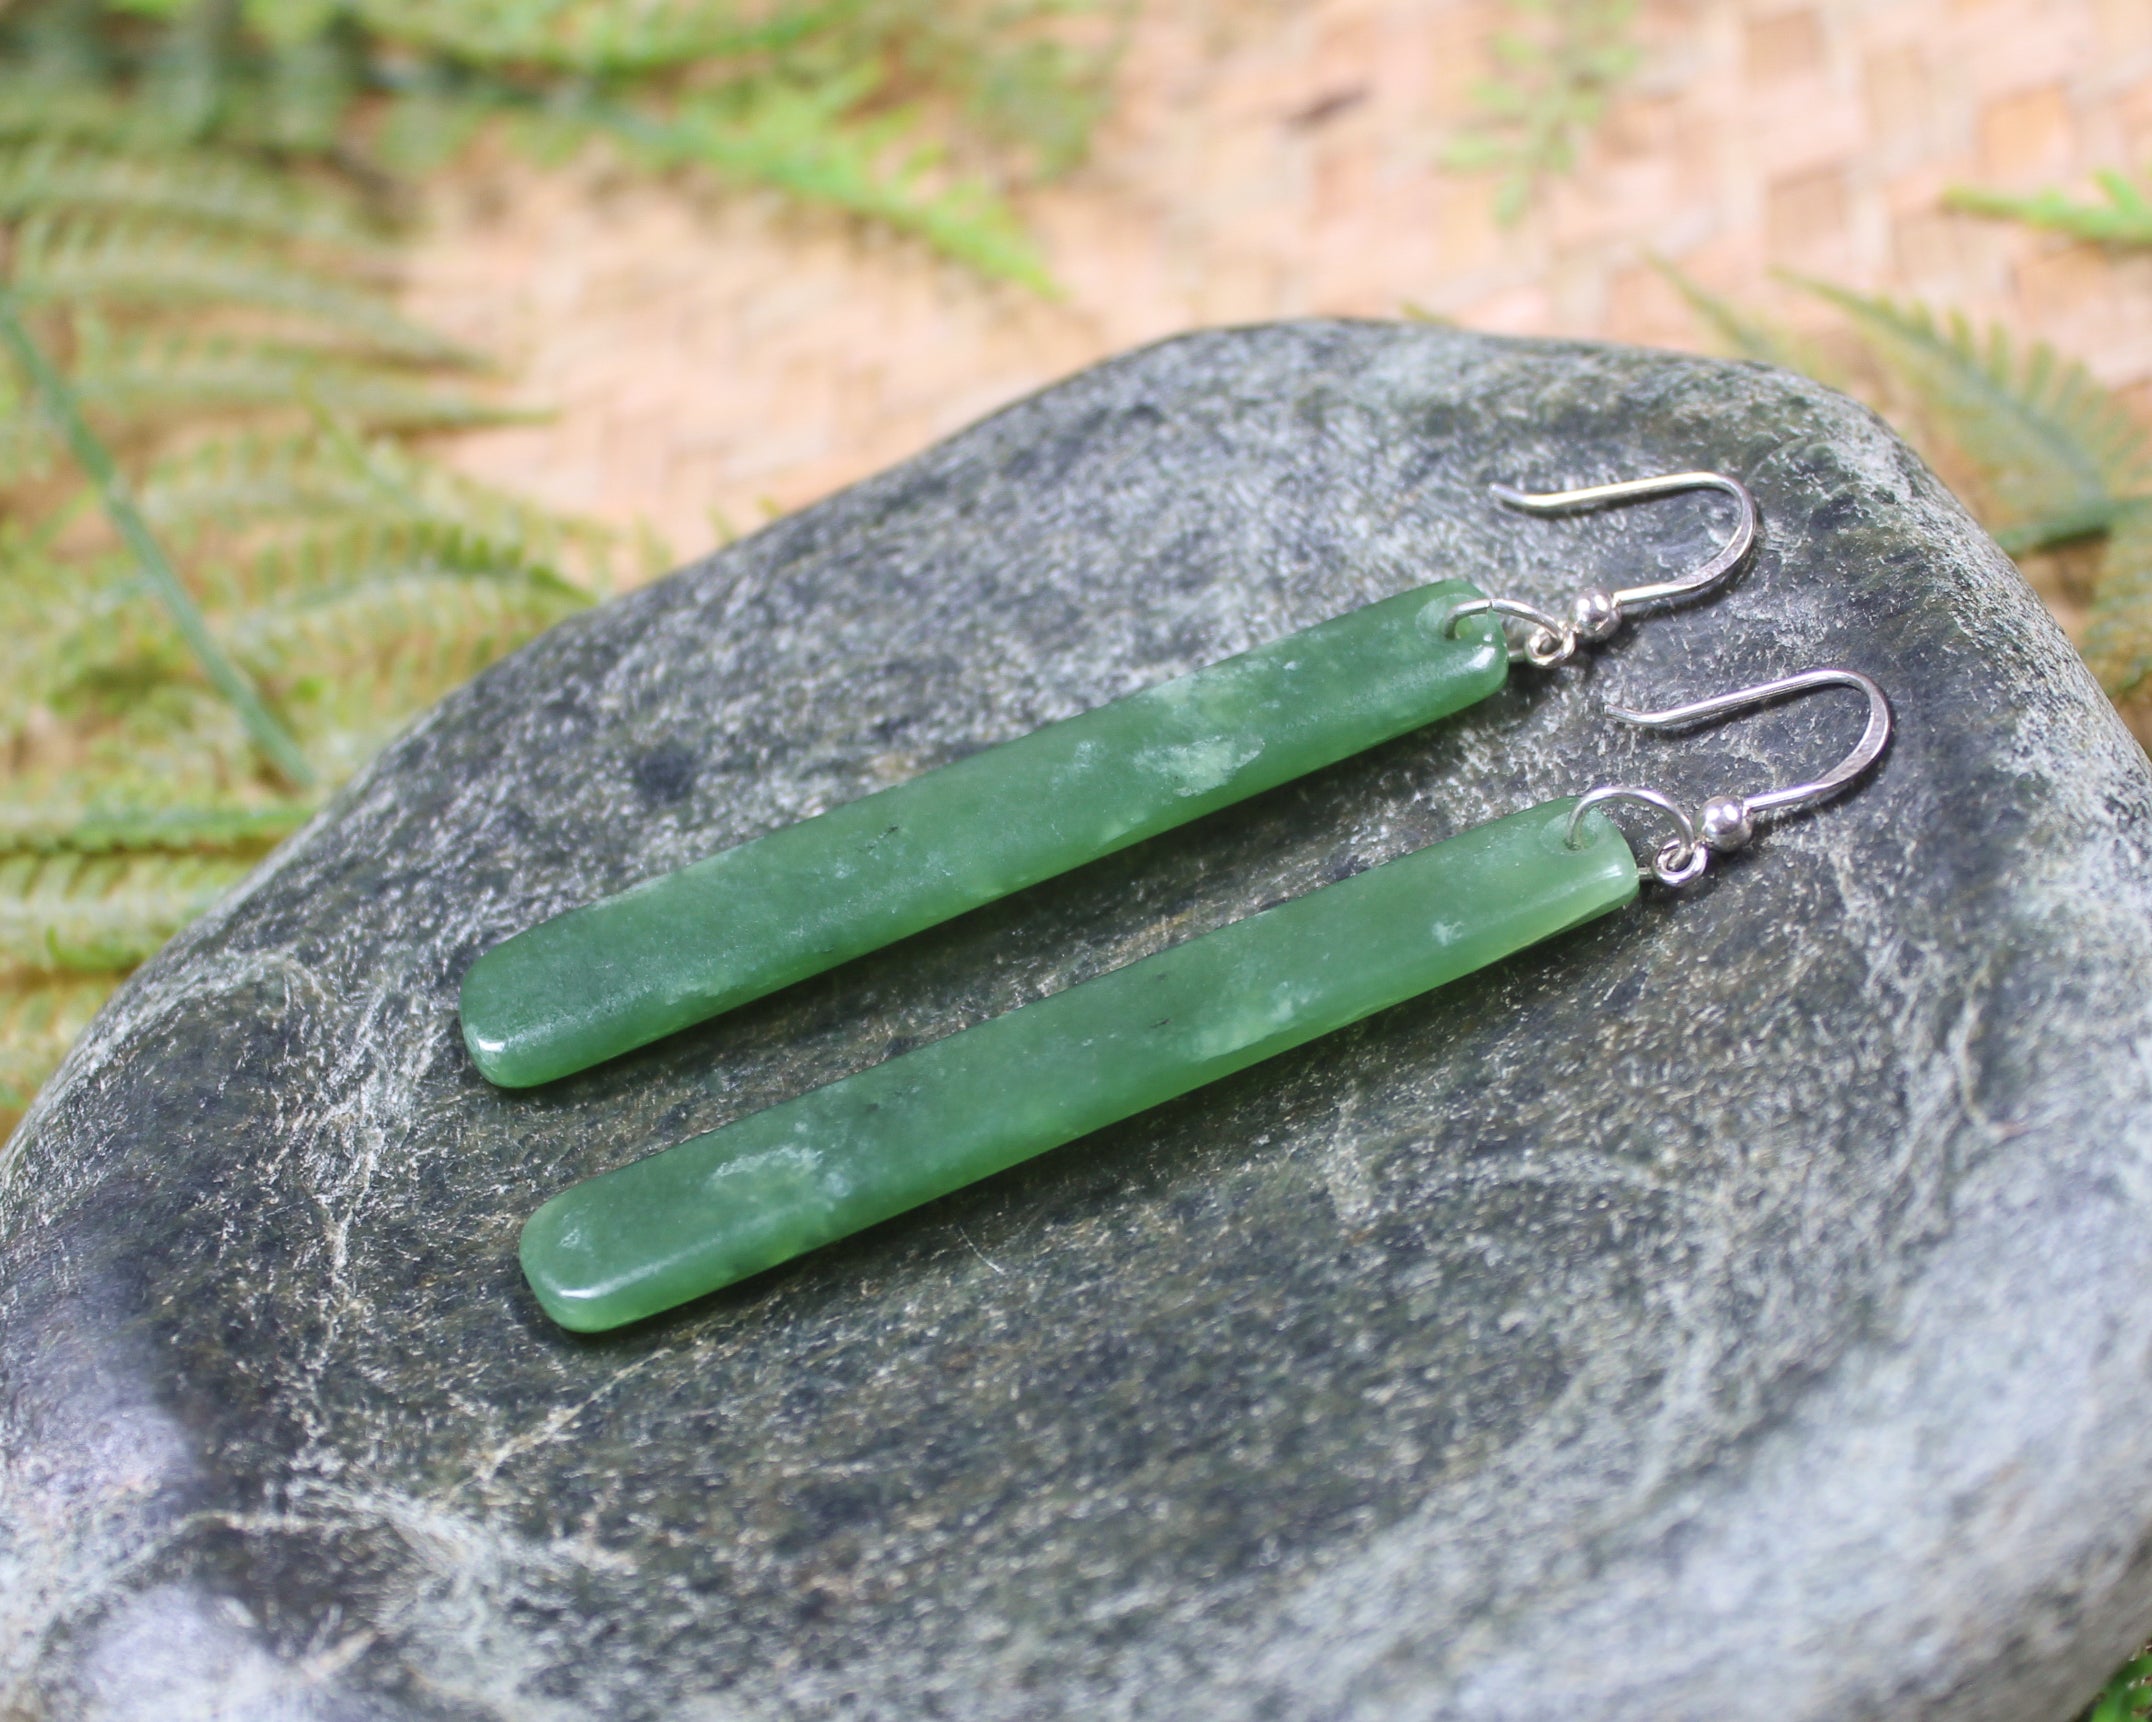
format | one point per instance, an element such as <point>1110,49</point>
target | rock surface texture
<point>1741,1308</point>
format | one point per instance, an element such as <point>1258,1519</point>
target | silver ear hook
<point>1726,822</point>
<point>1595,613</point>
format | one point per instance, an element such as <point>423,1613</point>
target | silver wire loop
<point>1673,863</point>
<point>1726,822</point>
<point>1546,640</point>
<point>1596,614</point>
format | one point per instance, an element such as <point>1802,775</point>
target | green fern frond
<point>384,601</point>
<point>186,195</point>
<point>601,41</point>
<point>2049,443</point>
<point>805,142</point>
<point>158,577</point>
<point>170,742</point>
<point>146,379</point>
<point>1745,334</point>
<point>2052,531</point>
<point>75,108</point>
<point>53,643</point>
<point>41,1016</point>
<point>45,818</point>
<point>159,268</point>
<point>332,562</point>
<point>51,175</point>
<point>237,487</point>
<point>476,525</point>
<point>2118,633</point>
<point>78,914</point>
<point>383,606</point>
<point>801,98</point>
<point>2127,1697</point>
<point>394,626</point>
<point>1554,78</point>
<point>1010,65</point>
<point>345,715</point>
<point>1007,65</point>
<point>2124,219</point>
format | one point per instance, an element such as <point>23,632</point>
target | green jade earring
<point>619,973</point>
<point>716,1208</point>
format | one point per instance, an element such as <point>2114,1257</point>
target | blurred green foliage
<point>2128,1696</point>
<point>1555,69</point>
<point>226,573</point>
<point>863,106</point>
<point>2045,456</point>
<point>228,569</point>
<point>2125,218</point>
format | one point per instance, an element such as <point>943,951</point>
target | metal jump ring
<point>1548,640</point>
<point>1678,860</point>
<point>1674,867</point>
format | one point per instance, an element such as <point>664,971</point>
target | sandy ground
<point>715,359</point>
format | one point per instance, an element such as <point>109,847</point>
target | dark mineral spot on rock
<point>1835,515</point>
<point>666,773</point>
<point>1734,1311</point>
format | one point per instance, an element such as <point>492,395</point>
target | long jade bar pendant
<point>616,974</point>
<point>717,1208</point>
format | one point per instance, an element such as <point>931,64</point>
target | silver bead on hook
<point>1596,614</point>
<point>1725,823</point>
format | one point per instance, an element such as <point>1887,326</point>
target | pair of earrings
<point>616,974</point>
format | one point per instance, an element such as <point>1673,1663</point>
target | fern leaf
<point>398,621</point>
<point>477,527</point>
<point>332,481</point>
<point>41,1016</point>
<point>341,558</point>
<point>677,81</point>
<point>170,743</point>
<point>1746,335</point>
<point>345,717</point>
<point>88,913</point>
<point>2127,1696</point>
<point>2118,633</point>
<point>601,41</point>
<point>50,641</point>
<point>146,379</point>
<point>2124,219</point>
<point>1015,72</point>
<point>49,175</point>
<point>155,568</point>
<point>1551,88</point>
<point>43,818</point>
<point>156,268</point>
<point>241,484</point>
<point>2047,440</point>
<point>426,128</point>
<point>43,105</point>
<point>801,141</point>
<point>2050,531</point>
<point>244,382</point>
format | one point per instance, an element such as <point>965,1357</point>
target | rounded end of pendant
<point>509,1019</point>
<point>486,1054</point>
<point>550,1246</point>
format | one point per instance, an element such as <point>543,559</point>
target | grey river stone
<point>1741,1308</point>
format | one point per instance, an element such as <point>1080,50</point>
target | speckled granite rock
<point>1742,1309</point>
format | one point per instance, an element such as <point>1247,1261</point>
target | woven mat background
<point>716,359</point>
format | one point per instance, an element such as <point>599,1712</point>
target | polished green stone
<point>719,1207</point>
<point>616,974</point>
